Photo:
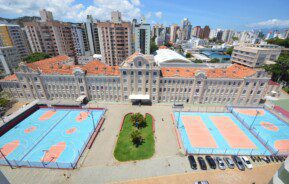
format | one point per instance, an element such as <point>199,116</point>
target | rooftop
<point>167,55</point>
<point>233,71</point>
<point>10,78</point>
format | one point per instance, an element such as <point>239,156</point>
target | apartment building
<point>78,39</point>
<point>173,33</point>
<point>92,35</point>
<point>115,40</point>
<point>49,36</point>
<point>13,36</point>
<point>141,37</point>
<point>255,55</point>
<point>138,78</point>
<point>9,60</point>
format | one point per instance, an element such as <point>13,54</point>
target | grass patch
<point>125,150</point>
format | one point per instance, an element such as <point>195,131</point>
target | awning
<point>80,98</point>
<point>139,97</point>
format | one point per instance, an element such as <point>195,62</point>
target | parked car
<point>202,163</point>
<point>229,163</point>
<point>246,162</point>
<point>272,159</point>
<point>259,159</point>
<point>253,158</point>
<point>276,159</point>
<point>193,162</point>
<point>221,163</point>
<point>211,162</point>
<point>266,159</point>
<point>238,163</point>
<point>201,182</point>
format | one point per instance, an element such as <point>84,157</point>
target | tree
<point>188,55</point>
<point>215,60</point>
<point>280,70</point>
<point>280,42</point>
<point>154,47</point>
<point>198,61</point>
<point>136,137</point>
<point>235,38</point>
<point>36,57</point>
<point>138,118</point>
<point>230,50</point>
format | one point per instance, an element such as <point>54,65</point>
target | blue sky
<point>239,15</point>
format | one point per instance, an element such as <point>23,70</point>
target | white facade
<point>255,55</point>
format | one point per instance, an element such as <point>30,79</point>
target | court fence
<point>51,164</point>
<point>58,165</point>
<point>256,133</point>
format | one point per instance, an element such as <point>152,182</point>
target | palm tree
<point>136,137</point>
<point>137,120</point>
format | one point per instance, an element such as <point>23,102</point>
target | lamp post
<point>254,119</point>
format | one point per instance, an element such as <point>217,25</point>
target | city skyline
<point>238,15</point>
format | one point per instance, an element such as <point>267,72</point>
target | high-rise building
<point>78,41</point>
<point>46,16</point>
<point>116,17</point>
<point>186,28</point>
<point>219,35</point>
<point>92,35</point>
<point>287,34</point>
<point>115,40</point>
<point>227,35</point>
<point>206,32</point>
<point>51,37</point>
<point>141,36</point>
<point>13,36</point>
<point>157,30</point>
<point>197,31</point>
<point>173,33</point>
<point>9,60</point>
<point>213,34</point>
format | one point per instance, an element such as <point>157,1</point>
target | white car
<point>246,162</point>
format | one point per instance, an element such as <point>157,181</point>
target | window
<point>139,73</point>
<point>139,63</point>
<point>123,72</point>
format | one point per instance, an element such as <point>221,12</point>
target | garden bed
<point>126,150</point>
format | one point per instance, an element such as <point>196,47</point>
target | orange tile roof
<point>163,47</point>
<point>54,65</point>
<point>10,78</point>
<point>233,71</point>
<point>47,63</point>
<point>99,68</point>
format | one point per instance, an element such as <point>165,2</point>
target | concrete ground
<point>98,165</point>
<point>261,174</point>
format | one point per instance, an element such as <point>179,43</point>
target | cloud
<point>159,14</point>
<point>69,10</point>
<point>270,23</point>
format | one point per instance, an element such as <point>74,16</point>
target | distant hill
<point>19,20</point>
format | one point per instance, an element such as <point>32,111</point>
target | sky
<point>224,14</point>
